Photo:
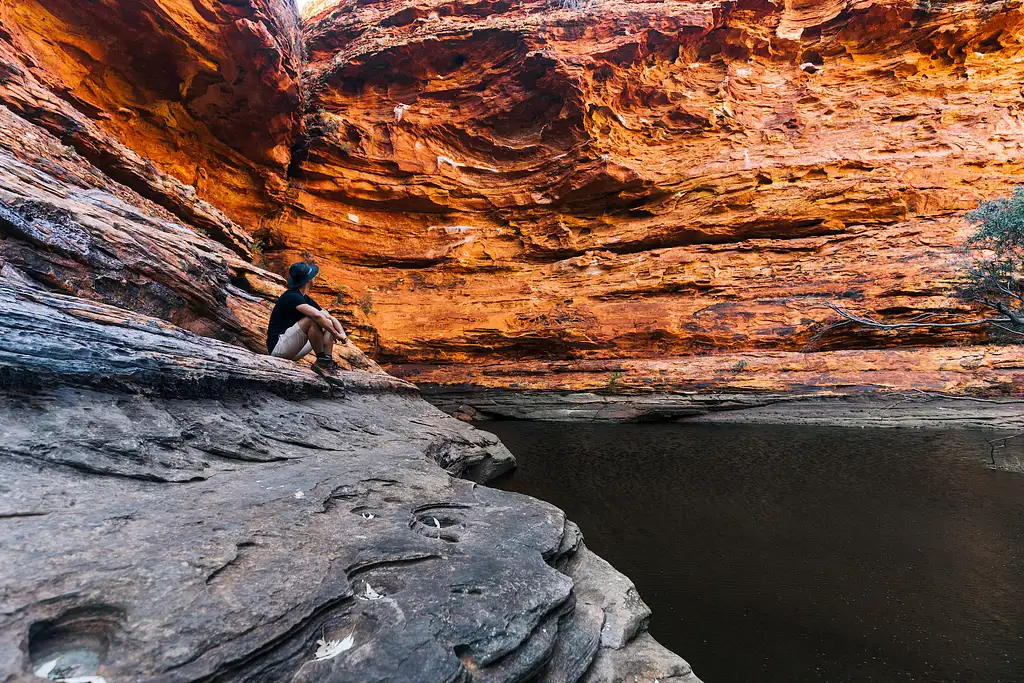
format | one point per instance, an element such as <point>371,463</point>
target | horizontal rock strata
<point>175,507</point>
<point>647,199</point>
<point>554,180</point>
<point>189,103</point>
<point>979,370</point>
<point>66,226</point>
<point>911,409</point>
<point>602,180</point>
<point>178,509</point>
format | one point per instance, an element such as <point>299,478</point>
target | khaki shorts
<point>293,344</point>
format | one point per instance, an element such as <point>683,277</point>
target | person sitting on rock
<point>299,325</point>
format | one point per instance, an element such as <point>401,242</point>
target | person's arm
<point>324,319</point>
<point>339,330</point>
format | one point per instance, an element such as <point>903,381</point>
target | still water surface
<point>778,554</point>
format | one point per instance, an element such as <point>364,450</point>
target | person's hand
<point>333,324</point>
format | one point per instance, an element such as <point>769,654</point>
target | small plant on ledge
<point>339,300</point>
<point>366,303</point>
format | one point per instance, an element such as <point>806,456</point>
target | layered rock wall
<point>592,194</point>
<point>208,92</point>
<point>551,181</point>
<point>179,508</point>
<point>176,507</point>
<point>598,180</point>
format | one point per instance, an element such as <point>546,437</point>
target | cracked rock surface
<point>174,508</point>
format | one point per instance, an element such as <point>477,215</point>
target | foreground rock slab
<point>189,511</point>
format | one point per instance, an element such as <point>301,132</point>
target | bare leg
<point>328,342</point>
<point>314,334</point>
<point>322,340</point>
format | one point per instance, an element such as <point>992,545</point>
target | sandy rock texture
<point>911,409</point>
<point>631,198</point>
<point>205,93</point>
<point>66,226</point>
<point>555,180</point>
<point>981,371</point>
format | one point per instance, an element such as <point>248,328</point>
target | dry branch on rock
<point>992,278</point>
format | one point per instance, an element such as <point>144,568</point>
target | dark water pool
<point>776,554</point>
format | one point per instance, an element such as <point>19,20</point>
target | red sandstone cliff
<point>525,183</point>
<point>136,457</point>
<point>177,121</point>
<point>206,91</point>
<point>520,182</point>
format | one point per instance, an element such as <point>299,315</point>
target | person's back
<point>286,314</point>
<point>299,325</point>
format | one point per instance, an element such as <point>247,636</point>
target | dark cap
<point>300,273</point>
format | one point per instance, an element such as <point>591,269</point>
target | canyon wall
<point>565,194</point>
<point>207,92</point>
<point>113,117</point>
<point>578,194</point>
<point>175,504</point>
<point>507,189</point>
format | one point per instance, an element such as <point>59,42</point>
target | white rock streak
<point>329,649</point>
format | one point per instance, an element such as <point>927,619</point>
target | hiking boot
<point>325,367</point>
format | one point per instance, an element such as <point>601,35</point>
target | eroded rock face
<point>66,226</point>
<point>206,91</point>
<point>648,180</point>
<point>175,508</point>
<point>552,180</point>
<point>587,194</point>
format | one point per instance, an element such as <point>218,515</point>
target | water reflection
<point>778,553</point>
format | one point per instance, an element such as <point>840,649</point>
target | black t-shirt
<point>286,314</point>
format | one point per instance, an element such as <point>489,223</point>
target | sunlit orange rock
<point>207,91</point>
<point>557,180</point>
<point>515,181</point>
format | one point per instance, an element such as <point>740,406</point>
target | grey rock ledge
<point>174,508</point>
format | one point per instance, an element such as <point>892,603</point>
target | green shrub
<point>995,271</point>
